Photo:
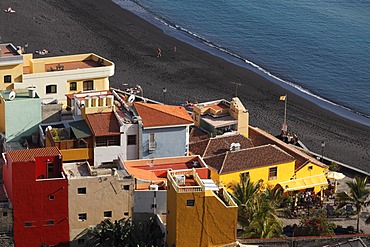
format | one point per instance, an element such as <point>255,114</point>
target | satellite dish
<point>12,95</point>
<point>131,98</point>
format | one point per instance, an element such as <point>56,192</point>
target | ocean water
<point>319,49</point>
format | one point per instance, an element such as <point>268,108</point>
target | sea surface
<point>319,49</point>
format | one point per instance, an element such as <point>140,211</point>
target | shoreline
<point>205,45</point>
<point>104,28</point>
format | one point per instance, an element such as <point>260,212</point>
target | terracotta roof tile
<point>197,135</point>
<point>236,161</point>
<point>154,115</point>
<point>260,137</point>
<point>218,145</point>
<point>198,148</point>
<point>25,155</point>
<point>222,144</point>
<point>103,124</point>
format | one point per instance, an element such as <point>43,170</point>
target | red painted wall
<point>32,203</point>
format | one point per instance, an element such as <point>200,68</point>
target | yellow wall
<point>16,71</point>
<point>238,111</point>
<point>100,84</point>
<point>284,172</point>
<point>77,154</point>
<point>208,223</point>
<point>306,171</point>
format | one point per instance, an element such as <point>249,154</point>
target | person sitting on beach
<point>42,52</point>
<point>159,52</point>
<point>9,10</point>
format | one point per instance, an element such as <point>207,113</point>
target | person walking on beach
<point>159,52</point>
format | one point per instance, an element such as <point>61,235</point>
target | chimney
<point>32,92</point>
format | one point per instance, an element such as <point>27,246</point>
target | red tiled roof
<point>218,145</point>
<point>103,124</point>
<point>154,115</point>
<point>236,161</point>
<point>260,137</point>
<point>197,135</point>
<point>25,155</point>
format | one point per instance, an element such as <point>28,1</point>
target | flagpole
<point>286,99</point>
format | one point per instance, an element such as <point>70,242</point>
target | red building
<point>38,191</point>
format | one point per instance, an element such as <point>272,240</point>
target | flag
<point>283,97</point>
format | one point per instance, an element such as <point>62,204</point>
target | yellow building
<point>198,212</point>
<point>220,116</point>
<point>53,77</point>
<point>268,162</point>
<point>261,156</point>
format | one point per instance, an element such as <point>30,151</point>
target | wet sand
<point>100,26</point>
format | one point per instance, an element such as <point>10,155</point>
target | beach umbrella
<point>335,175</point>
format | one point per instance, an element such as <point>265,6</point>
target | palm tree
<point>243,195</point>
<point>264,223</point>
<point>358,196</point>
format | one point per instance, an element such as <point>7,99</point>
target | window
<point>7,79</point>
<point>73,86</point>
<point>310,168</point>
<point>48,222</point>
<point>125,213</point>
<point>126,187</point>
<point>152,145</point>
<point>81,190</point>
<point>131,140</point>
<point>28,224</point>
<point>82,217</point>
<point>51,198</point>
<point>81,241</point>
<point>107,214</point>
<point>103,141</point>
<point>50,170</point>
<point>51,89</point>
<point>190,203</point>
<point>88,85</point>
<point>5,214</point>
<point>273,173</point>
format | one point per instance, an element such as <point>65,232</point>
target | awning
<point>304,183</point>
<point>335,175</point>
<point>80,129</point>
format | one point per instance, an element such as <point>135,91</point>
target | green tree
<point>264,222</point>
<point>316,224</point>
<point>358,196</point>
<point>243,195</point>
<point>256,213</point>
<point>114,234</point>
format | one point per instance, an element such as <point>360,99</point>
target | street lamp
<point>322,151</point>
<point>164,90</point>
<point>236,87</point>
<point>26,47</point>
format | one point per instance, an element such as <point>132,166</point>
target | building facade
<point>38,191</point>
<point>95,194</point>
<point>20,114</point>
<point>53,77</point>
<point>198,212</point>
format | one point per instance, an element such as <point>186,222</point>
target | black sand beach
<point>100,26</point>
